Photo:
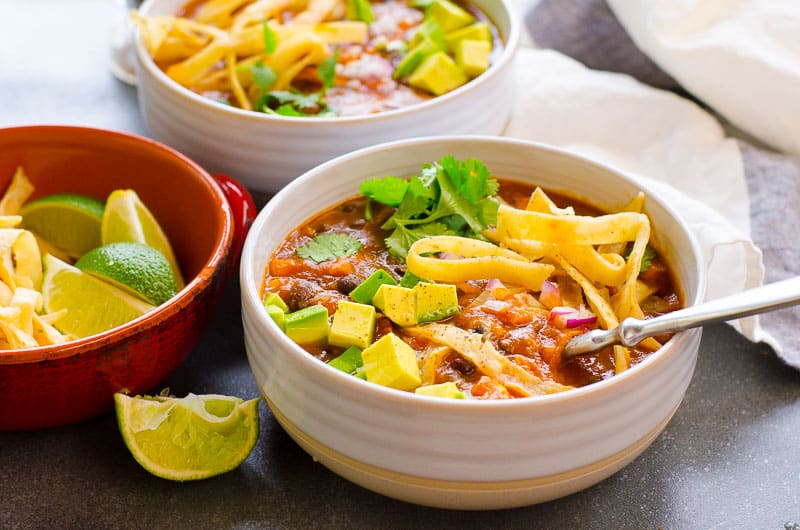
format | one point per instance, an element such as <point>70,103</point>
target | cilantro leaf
<point>415,202</point>
<point>647,258</point>
<point>448,197</point>
<point>388,190</point>
<point>326,247</point>
<point>470,177</point>
<point>327,70</point>
<point>270,39</point>
<point>402,238</point>
<point>263,76</point>
<point>288,103</point>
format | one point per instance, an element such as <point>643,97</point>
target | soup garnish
<point>455,283</point>
<point>321,57</point>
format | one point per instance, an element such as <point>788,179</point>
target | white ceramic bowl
<point>265,152</point>
<point>454,453</point>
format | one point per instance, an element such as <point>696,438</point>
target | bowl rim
<point>319,369</point>
<point>172,306</point>
<point>145,60</point>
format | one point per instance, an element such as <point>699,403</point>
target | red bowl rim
<point>44,133</point>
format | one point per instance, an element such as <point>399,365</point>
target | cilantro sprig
<point>448,197</point>
<point>324,247</point>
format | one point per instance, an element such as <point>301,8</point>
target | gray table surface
<point>730,458</point>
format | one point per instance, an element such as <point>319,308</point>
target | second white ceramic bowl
<point>265,152</point>
<point>466,454</point>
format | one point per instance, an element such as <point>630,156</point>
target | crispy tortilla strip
<point>262,10</point>
<point>485,357</point>
<point>481,260</point>
<point>19,190</point>
<point>570,229</point>
<point>218,12</point>
<point>318,10</point>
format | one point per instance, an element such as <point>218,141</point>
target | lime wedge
<point>140,269</point>
<point>68,221</point>
<point>188,438</point>
<point>88,305</point>
<point>126,218</point>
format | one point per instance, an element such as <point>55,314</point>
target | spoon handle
<point>631,331</point>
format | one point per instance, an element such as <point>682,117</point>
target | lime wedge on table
<point>89,305</point>
<point>188,438</point>
<point>136,267</point>
<point>126,218</point>
<point>68,221</point>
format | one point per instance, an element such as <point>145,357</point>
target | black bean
<point>463,366</point>
<point>301,293</point>
<point>347,283</point>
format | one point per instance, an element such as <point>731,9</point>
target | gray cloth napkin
<point>588,31</point>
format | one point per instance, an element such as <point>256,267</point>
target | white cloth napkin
<point>656,136</point>
<point>741,57</point>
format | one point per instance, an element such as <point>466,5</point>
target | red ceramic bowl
<point>205,219</point>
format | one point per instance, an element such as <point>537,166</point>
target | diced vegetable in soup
<point>322,57</point>
<point>458,284</point>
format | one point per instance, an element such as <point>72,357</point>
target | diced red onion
<point>448,255</point>
<point>567,317</point>
<point>493,284</point>
<point>550,295</point>
<point>496,306</point>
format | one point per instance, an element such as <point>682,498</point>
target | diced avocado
<point>308,325</point>
<point>349,361</point>
<point>449,15</point>
<point>476,31</point>
<point>353,325</point>
<point>367,289</point>
<point>437,74</point>
<point>414,58</point>
<point>278,315</point>
<point>435,301</point>
<point>399,304</point>
<point>443,390</point>
<point>472,56</point>
<point>430,31</point>
<point>276,300</point>
<point>391,362</point>
<point>409,279</point>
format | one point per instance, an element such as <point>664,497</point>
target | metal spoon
<point>631,331</point>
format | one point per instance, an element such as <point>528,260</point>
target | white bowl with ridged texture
<point>453,453</point>
<point>265,152</point>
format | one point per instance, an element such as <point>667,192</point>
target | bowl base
<point>466,495</point>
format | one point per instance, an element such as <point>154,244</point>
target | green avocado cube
<point>353,325</point>
<point>409,279</point>
<point>278,315</point>
<point>391,362</point>
<point>442,390</point>
<point>349,361</point>
<point>275,300</point>
<point>430,31</point>
<point>366,290</point>
<point>449,15</point>
<point>472,56</point>
<point>435,301</point>
<point>476,31</point>
<point>399,304</point>
<point>437,74</point>
<point>308,325</point>
<point>411,60</point>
